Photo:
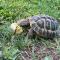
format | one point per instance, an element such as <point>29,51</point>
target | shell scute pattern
<point>45,22</point>
<point>44,25</point>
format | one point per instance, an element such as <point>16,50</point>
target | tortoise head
<point>16,28</point>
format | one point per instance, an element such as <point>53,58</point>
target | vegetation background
<point>13,10</point>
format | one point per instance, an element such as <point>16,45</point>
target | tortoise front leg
<point>30,33</point>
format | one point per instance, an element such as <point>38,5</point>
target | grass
<point>13,10</point>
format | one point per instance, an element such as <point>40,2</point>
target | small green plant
<point>10,53</point>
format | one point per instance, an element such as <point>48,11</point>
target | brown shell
<point>44,25</point>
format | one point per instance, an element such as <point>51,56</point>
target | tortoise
<point>40,25</point>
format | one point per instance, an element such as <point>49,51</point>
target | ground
<point>19,47</point>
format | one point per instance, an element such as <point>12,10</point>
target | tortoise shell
<point>44,21</point>
<point>44,25</point>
